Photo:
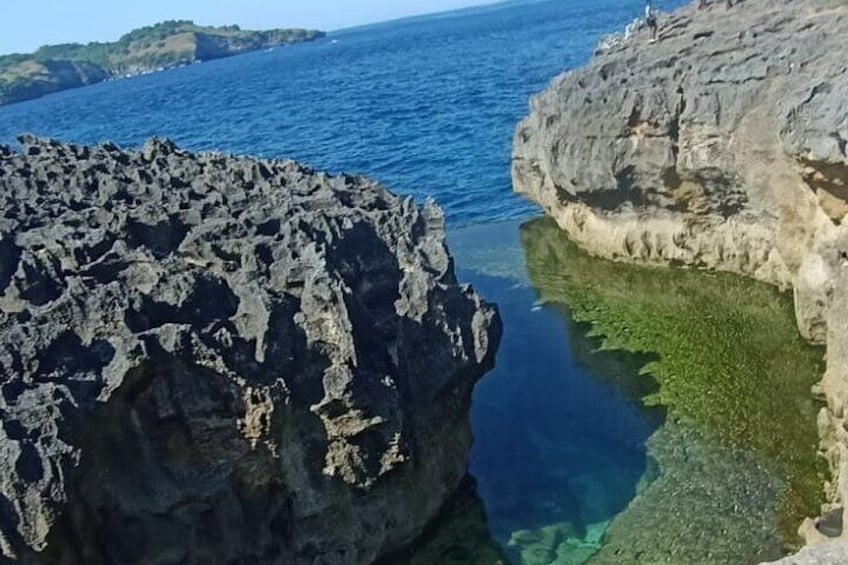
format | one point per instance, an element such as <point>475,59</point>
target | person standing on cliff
<point>651,19</point>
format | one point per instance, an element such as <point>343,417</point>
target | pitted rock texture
<point>723,145</point>
<point>214,359</point>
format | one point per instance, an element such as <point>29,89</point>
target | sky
<point>26,25</point>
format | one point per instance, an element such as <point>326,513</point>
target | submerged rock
<point>721,146</point>
<point>214,359</point>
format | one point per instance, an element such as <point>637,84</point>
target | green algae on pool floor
<point>565,474</point>
<point>571,467</point>
<point>726,354</point>
<point>710,505</point>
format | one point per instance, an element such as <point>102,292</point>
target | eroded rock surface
<point>212,359</point>
<point>721,146</point>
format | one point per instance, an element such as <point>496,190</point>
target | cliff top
<point>648,116</point>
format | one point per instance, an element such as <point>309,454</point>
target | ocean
<point>569,465</point>
<point>427,106</point>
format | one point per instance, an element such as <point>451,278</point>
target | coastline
<point>721,164</point>
<point>164,46</point>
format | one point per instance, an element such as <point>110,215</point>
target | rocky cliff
<point>722,146</point>
<point>212,359</point>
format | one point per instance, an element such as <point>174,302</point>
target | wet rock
<point>215,359</point>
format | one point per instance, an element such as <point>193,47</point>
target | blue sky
<point>26,25</point>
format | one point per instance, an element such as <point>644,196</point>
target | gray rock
<point>723,146</point>
<point>215,359</point>
<point>720,146</point>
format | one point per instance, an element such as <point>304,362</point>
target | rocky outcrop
<point>721,146</point>
<point>213,359</point>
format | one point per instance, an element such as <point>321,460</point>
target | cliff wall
<point>720,146</point>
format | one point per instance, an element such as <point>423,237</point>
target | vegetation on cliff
<point>165,45</point>
<point>725,353</point>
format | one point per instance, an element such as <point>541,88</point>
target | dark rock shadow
<point>459,537</point>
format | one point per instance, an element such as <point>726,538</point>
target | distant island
<point>153,48</point>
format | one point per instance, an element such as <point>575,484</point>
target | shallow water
<point>587,451</point>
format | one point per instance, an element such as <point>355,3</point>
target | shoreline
<point>746,194</point>
<point>150,50</point>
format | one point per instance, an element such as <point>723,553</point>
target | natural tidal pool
<point>635,415</point>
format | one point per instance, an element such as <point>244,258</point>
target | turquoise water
<point>555,446</point>
<point>572,467</point>
<point>565,459</point>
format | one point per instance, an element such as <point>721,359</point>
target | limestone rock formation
<point>213,359</point>
<point>723,145</point>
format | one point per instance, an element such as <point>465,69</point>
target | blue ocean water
<point>427,106</point>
